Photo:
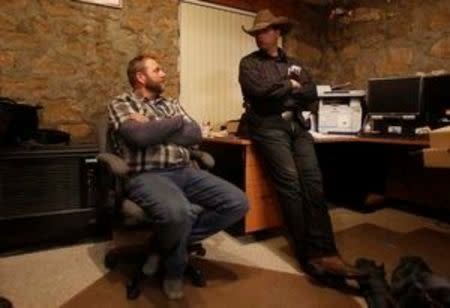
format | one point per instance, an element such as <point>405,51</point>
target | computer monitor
<point>436,99</point>
<point>394,97</point>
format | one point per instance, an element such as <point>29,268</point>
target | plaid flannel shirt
<point>152,157</point>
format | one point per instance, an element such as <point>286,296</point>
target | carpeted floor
<point>229,285</point>
<point>241,272</point>
<point>388,247</point>
<point>232,285</point>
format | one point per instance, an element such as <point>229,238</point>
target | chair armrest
<point>204,159</point>
<point>114,163</point>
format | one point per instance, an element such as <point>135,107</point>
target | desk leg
<point>265,211</point>
<point>240,165</point>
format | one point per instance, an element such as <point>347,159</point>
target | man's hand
<point>139,118</point>
<point>295,84</point>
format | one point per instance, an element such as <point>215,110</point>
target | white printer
<point>340,111</point>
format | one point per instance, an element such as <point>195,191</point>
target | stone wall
<point>304,41</point>
<point>387,38</point>
<point>71,57</point>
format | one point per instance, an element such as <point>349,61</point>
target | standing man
<point>153,134</point>
<point>275,88</point>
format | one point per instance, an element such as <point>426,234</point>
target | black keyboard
<point>337,92</point>
<point>395,136</point>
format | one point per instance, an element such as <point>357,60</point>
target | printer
<point>340,111</point>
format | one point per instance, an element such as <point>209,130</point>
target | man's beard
<point>154,87</point>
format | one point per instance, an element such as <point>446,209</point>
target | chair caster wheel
<point>196,276</point>
<point>110,261</point>
<point>133,291</point>
<point>201,252</point>
<point>197,249</point>
<point>199,282</point>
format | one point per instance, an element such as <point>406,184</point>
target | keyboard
<point>337,91</point>
<point>394,136</point>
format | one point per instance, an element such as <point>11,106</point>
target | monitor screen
<point>436,95</point>
<point>394,96</point>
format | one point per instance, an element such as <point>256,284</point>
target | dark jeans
<point>288,151</point>
<point>171,198</point>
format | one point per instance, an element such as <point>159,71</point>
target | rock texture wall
<point>385,38</point>
<point>71,57</point>
<point>304,41</point>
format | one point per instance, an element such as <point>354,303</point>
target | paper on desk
<point>321,89</point>
<point>317,135</point>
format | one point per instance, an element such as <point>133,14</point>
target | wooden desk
<point>238,162</point>
<point>329,139</point>
<point>376,140</point>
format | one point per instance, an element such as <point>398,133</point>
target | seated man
<point>153,135</point>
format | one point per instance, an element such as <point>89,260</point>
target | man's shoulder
<point>251,56</point>
<point>122,98</point>
<point>293,60</point>
<point>168,100</point>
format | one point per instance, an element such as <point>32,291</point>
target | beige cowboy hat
<point>265,19</point>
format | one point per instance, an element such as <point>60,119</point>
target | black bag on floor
<point>374,288</point>
<point>414,285</point>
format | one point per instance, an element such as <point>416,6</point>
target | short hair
<point>136,65</point>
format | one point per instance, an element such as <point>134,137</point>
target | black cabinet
<point>47,195</point>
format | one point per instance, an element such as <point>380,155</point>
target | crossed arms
<point>141,131</point>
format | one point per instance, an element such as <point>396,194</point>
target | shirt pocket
<point>148,112</point>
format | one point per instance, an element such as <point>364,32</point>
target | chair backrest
<point>125,211</point>
<point>103,131</point>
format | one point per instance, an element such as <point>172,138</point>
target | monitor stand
<point>395,127</point>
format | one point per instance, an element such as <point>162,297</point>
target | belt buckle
<point>287,115</point>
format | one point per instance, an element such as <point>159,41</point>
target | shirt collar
<point>146,100</point>
<point>281,55</point>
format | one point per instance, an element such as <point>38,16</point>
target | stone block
<point>395,61</point>
<point>64,111</point>
<point>76,131</point>
<point>441,49</point>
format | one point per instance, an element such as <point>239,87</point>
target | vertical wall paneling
<point>211,45</point>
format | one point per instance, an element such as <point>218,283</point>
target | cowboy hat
<point>265,19</point>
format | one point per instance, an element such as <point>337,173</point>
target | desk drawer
<point>264,211</point>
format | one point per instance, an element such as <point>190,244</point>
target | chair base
<point>129,254</point>
<point>137,255</point>
<point>133,289</point>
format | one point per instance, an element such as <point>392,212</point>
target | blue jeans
<point>288,152</point>
<point>170,198</point>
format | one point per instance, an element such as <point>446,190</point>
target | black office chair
<point>126,219</point>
